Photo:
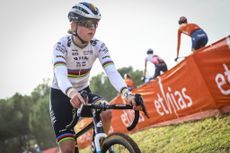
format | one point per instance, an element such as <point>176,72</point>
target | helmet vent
<point>82,9</point>
<point>91,7</point>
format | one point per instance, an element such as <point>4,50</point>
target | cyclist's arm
<point>145,67</point>
<point>115,77</point>
<point>178,42</point>
<point>60,68</point>
<point>110,69</point>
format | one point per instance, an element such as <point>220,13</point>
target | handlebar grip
<point>135,121</point>
<point>139,102</point>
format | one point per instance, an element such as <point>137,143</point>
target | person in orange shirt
<point>129,82</point>
<point>198,36</point>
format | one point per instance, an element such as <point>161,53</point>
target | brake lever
<point>140,102</point>
<point>85,96</point>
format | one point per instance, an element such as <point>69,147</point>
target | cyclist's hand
<point>128,96</point>
<point>176,59</point>
<point>143,78</point>
<point>75,98</point>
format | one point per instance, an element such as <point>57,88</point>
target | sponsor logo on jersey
<point>60,48</point>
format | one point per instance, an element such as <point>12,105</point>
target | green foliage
<point>25,121</point>
<point>40,123</point>
<point>40,91</point>
<point>14,117</point>
<point>100,85</point>
<point>136,75</point>
<point>14,123</point>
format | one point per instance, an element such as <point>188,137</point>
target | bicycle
<point>103,143</point>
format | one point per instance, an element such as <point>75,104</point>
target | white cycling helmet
<point>84,10</point>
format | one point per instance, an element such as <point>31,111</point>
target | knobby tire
<point>120,141</point>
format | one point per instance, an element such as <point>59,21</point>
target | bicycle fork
<point>98,141</point>
<point>99,133</point>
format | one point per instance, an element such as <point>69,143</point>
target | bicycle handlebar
<point>139,102</point>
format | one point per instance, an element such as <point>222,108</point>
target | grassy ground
<point>211,135</point>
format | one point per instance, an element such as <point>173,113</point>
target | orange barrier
<point>197,87</point>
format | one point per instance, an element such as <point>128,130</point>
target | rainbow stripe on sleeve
<point>59,63</point>
<point>78,73</point>
<point>107,63</point>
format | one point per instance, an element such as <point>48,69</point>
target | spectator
<point>160,65</point>
<point>129,82</point>
<point>198,36</point>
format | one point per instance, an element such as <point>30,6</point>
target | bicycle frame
<point>96,124</point>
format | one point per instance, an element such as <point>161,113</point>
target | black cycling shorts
<point>61,113</point>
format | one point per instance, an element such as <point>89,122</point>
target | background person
<point>160,65</point>
<point>73,58</point>
<point>129,82</point>
<point>198,36</point>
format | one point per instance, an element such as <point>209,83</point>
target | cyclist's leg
<point>67,146</point>
<point>194,43</point>
<point>157,71</point>
<point>199,39</point>
<point>195,39</point>
<point>164,68</point>
<point>106,117</point>
<point>204,40</point>
<point>60,105</point>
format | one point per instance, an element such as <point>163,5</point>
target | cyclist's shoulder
<point>99,46</point>
<point>192,24</point>
<point>65,40</point>
<point>187,26</point>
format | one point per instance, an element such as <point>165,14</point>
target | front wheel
<point>119,143</point>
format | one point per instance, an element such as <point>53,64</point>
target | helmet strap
<point>82,41</point>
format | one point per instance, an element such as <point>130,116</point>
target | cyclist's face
<point>85,29</point>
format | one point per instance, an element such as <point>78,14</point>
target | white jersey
<point>72,64</point>
<point>155,59</point>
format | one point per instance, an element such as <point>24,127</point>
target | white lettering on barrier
<point>221,81</point>
<point>127,117</point>
<point>172,101</point>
